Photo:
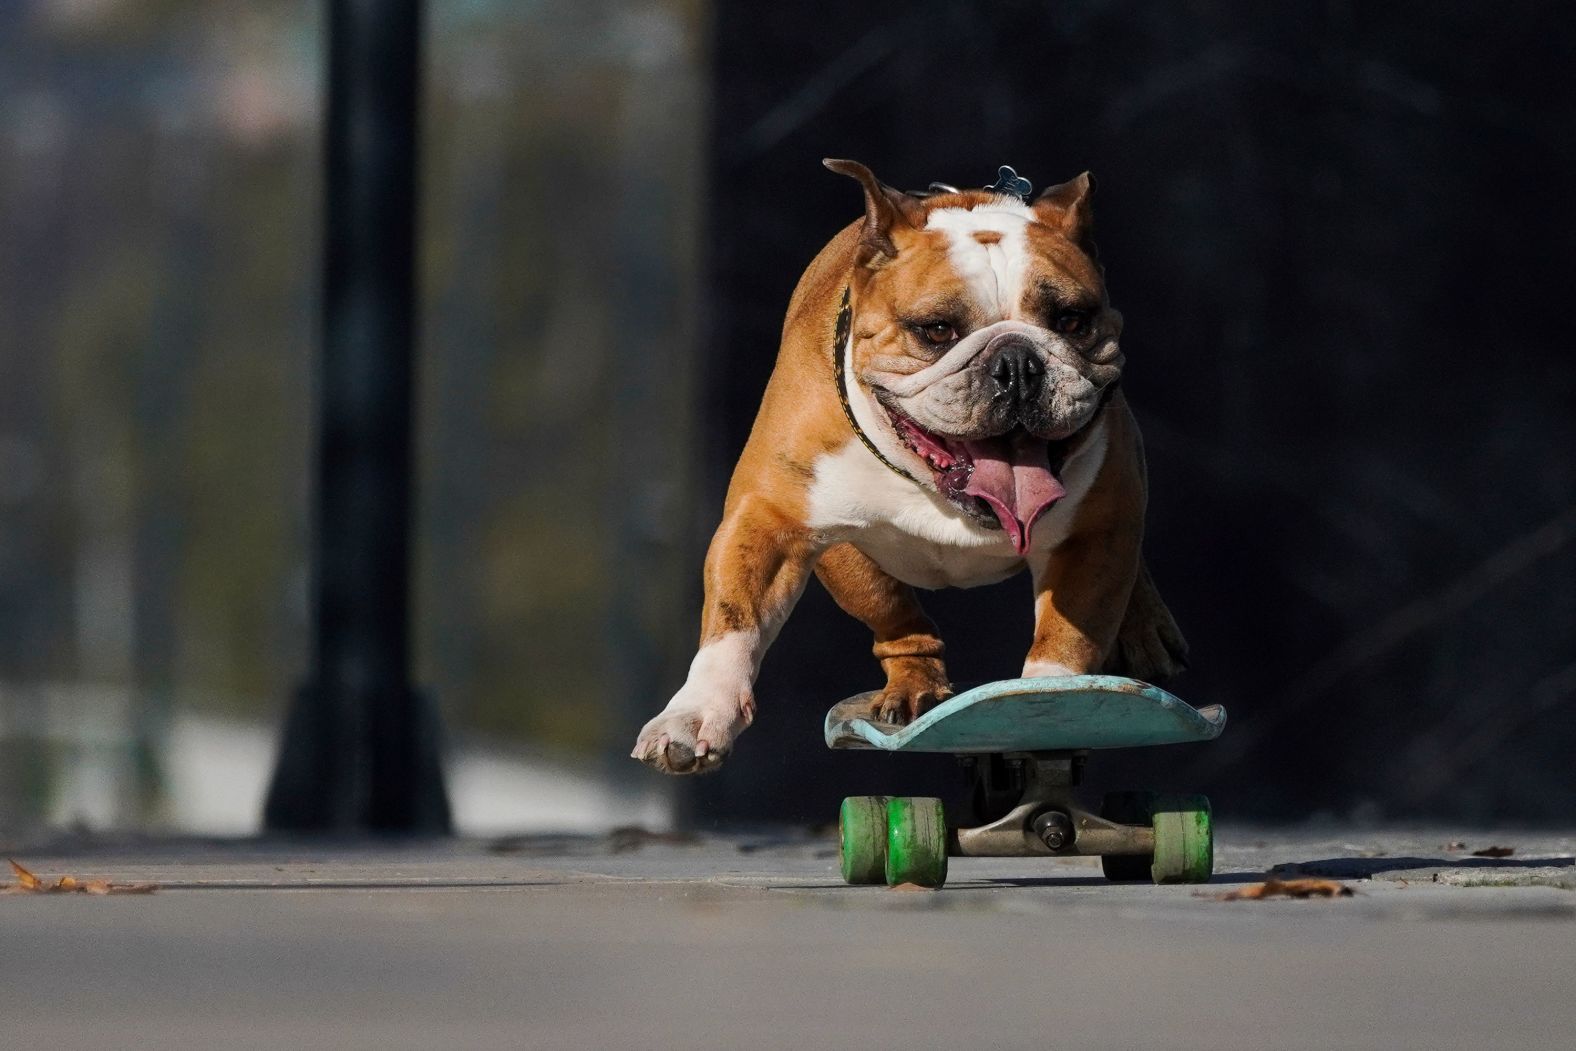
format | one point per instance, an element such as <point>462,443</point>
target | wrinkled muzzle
<point>993,415</point>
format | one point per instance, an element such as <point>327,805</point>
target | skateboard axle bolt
<point>1054,828</point>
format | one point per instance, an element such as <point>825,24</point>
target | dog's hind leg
<point>907,643</point>
<point>1149,645</point>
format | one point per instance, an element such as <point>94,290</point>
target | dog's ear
<point>1067,208</point>
<point>884,208</point>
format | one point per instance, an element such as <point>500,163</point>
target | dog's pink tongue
<point>1013,475</point>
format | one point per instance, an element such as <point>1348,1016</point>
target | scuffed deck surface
<point>1029,715</point>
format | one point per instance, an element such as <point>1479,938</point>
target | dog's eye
<point>938,333</point>
<point>1070,322</point>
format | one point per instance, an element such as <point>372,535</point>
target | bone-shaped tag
<point>1010,182</point>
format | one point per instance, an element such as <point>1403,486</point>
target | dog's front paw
<point>692,738</point>
<point>914,686</point>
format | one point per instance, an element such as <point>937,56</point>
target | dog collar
<point>840,344</point>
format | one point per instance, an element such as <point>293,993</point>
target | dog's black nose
<point>1018,373</point>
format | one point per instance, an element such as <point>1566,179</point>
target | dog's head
<point>982,328</point>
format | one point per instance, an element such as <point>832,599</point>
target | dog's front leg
<point>907,645</point>
<point>756,569</point>
<point>1080,597</point>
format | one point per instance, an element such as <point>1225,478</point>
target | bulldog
<point>944,412</point>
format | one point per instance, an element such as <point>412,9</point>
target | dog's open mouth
<point>1009,479</point>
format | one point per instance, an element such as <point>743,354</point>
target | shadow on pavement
<point>1367,868</point>
<point>962,883</point>
<point>1220,878</point>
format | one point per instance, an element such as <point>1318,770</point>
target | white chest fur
<point>917,535</point>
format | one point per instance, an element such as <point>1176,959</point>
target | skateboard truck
<point>1047,818</point>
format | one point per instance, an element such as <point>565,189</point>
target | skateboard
<point>1024,743</point>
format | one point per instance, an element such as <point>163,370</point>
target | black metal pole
<point>360,750</point>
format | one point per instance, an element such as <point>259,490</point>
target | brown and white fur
<point>980,325</point>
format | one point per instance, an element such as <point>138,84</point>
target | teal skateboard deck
<point>1062,713</point>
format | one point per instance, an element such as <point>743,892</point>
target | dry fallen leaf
<point>1306,887</point>
<point>27,883</point>
<point>25,879</point>
<point>1494,852</point>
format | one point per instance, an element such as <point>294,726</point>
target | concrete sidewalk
<point>752,941</point>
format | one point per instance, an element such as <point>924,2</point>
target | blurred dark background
<point>161,216</point>
<point>1341,234</point>
<point>1343,239</point>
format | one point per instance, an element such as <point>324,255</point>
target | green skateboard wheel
<point>1128,808</point>
<point>916,841</point>
<point>1184,840</point>
<point>862,824</point>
